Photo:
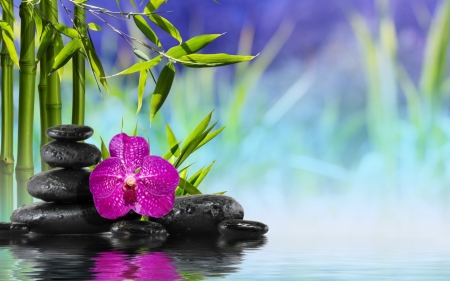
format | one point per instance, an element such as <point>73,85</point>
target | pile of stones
<point>68,206</point>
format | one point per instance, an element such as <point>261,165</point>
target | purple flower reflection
<point>133,179</point>
<point>112,266</point>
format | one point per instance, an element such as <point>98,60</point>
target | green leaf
<point>162,89</point>
<point>105,152</point>
<point>8,8</point>
<point>195,176</point>
<point>143,26</point>
<point>203,175</point>
<point>211,60</point>
<point>186,151</point>
<point>46,38</point>
<point>8,39</point>
<point>192,45</point>
<point>135,130</point>
<point>220,192</point>
<point>59,45</point>
<point>172,140</point>
<point>153,5</point>
<point>139,66</point>
<point>68,31</point>
<point>95,63</point>
<point>132,3</point>
<point>80,1</point>
<point>198,130</point>
<point>209,137</point>
<point>171,151</point>
<point>165,25</point>
<point>179,191</point>
<point>141,88</point>
<point>38,23</point>
<point>66,54</point>
<point>94,27</point>
<point>187,186</point>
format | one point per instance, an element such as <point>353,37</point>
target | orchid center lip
<point>130,181</point>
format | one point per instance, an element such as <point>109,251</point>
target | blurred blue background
<point>339,127</point>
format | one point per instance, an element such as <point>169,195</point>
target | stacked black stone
<point>68,206</point>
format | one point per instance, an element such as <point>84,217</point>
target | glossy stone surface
<point>8,229</point>
<point>242,228</point>
<point>58,218</point>
<point>69,132</point>
<point>62,185</point>
<point>200,214</point>
<point>138,228</point>
<point>71,155</point>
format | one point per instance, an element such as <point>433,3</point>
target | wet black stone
<point>58,218</point>
<point>8,229</point>
<point>242,228</point>
<point>73,155</point>
<point>62,185</point>
<point>138,228</point>
<point>200,214</point>
<point>69,132</point>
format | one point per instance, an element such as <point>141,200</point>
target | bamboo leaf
<point>141,88</point>
<point>195,176</point>
<point>186,151</point>
<point>153,5</point>
<point>132,3</point>
<point>220,192</point>
<point>68,31</point>
<point>66,54</point>
<point>198,130</point>
<point>203,175</point>
<point>94,27</point>
<point>212,60</point>
<point>135,130</point>
<point>185,168</point>
<point>46,38</point>
<point>192,45</point>
<point>105,152</point>
<point>95,63</point>
<point>187,186</point>
<point>165,25</point>
<point>59,45</point>
<point>209,137</point>
<point>171,151</point>
<point>139,67</point>
<point>8,39</point>
<point>172,140</point>
<point>143,26</point>
<point>162,89</point>
<point>141,55</point>
<point>38,23</point>
<point>8,8</point>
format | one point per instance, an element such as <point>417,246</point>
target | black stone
<point>69,132</point>
<point>58,218</point>
<point>138,228</point>
<point>242,228</point>
<point>200,214</point>
<point>73,155</point>
<point>62,185</point>
<point>8,229</point>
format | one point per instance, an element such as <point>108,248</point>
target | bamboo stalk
<point>42,88</point>
<point>53,99</point>
<point>79,72</point>
<point>7,112</point>
<point>25,167</point>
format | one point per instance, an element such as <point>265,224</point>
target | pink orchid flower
<point>133,179</point>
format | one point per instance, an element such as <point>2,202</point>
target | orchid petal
<point>106,177</point>
<point>153,206</point>
<point>157,176</point>
<point>112,207</point>
<point>130,150</point>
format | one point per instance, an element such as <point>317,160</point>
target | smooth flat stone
<point>58,218</point>
<point>8,229</point>
<point>62,185</point>
<point>200,214</point>
<point>69,132</point>
<point>138,228</point>
<point>73,155</point>
<point>242,228</point>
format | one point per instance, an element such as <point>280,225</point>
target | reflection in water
<point>105,257</point>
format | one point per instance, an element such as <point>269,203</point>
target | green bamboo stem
<point>7,112</point>
<point>25,167</point>
<point>42,88</point>
<point>53,99</point>
<point>79,72</point>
